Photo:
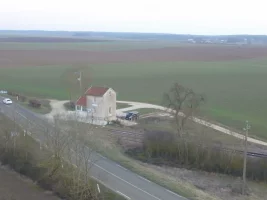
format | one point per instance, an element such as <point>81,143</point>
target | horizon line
<point>129,32</point>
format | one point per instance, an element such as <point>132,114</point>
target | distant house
<point>97,104</point>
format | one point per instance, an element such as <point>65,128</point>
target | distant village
<point>231,41</point>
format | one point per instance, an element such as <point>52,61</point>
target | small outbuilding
<point>97,104</point>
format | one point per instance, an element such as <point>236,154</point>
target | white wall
<point>104,103</point>
<point>110,102</point>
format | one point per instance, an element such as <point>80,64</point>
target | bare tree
<point>73,182</point>
<point>182,103</point>
<point>79,156</point>
<point>56,143</point>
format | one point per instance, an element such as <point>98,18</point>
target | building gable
<point>96,91</point>
<point>81,101</point>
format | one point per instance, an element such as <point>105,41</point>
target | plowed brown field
<point>170,54</point>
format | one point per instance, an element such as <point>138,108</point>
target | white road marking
<point>117,178</point>
<point>126,182</point>
<point>102,183</point>
<point>98,188</point>
<point>102,156</point>
<point>144,179</point>
<point>123,194</point>
<point>174,193</point>
<point>121,167</point>
<point>22,115</point>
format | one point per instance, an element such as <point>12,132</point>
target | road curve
<point>138,105</point>
<point>107,172</point>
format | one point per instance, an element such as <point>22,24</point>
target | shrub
<point>70,105</point>
<point>116,122</point>
<point>34,103</point>
<point>22,98</point>
<point>163,148</point>
<point>12,93</point>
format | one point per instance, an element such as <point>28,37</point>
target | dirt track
<point>10,58</point>
<point>138,105</point>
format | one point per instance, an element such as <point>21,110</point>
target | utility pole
<point>80,80</point>
<point>246,129</point>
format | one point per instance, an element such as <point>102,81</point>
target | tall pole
<point>245,157</point>
<point>80,79</point>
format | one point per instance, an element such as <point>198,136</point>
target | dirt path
<point>138,105</point>
<point>58,109</point>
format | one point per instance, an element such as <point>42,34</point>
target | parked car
<point>7,101</point>
<point>133,115</point>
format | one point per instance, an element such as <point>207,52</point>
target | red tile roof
<point>96,91</point>
<point>81,101</point>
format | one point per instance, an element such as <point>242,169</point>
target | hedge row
<point>32,102</point>
<point>162,148</point>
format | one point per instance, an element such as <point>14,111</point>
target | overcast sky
<point>163,16</point>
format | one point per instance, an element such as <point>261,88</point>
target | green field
<point>235,90</point>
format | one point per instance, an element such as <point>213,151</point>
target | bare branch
<point>182,103</point>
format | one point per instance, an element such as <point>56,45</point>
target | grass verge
<point>122,105</point>
<point>107,147</point>
<point>44,109</point>
<point>25,157</point>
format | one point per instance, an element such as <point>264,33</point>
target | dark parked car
<point>133,115</point>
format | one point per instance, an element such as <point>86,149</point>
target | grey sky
<point>165,16</point>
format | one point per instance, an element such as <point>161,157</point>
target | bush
<point>34,103</point>
<point>22,98</point>
<point>116,122</point>
<point>70,105</point>
<point>60,183</point>
<point>25,157</point>
<point>163,148</point>
<point>17,95</point>
<point>12,93</point>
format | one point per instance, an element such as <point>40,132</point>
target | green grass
<point>235,90</point>
<point>44,109</point>
<point>122,105</point>
<point>199,132</point>
<point>42,81</point>
<point>33,146</point>
<point>107,146</point>
<point>107,193</point>
<point>143,111</point>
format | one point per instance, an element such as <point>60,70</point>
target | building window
<point>109,110</point>
<point>84,108</point>
<point>78,107</point>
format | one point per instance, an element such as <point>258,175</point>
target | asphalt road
<point>109,173</point>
